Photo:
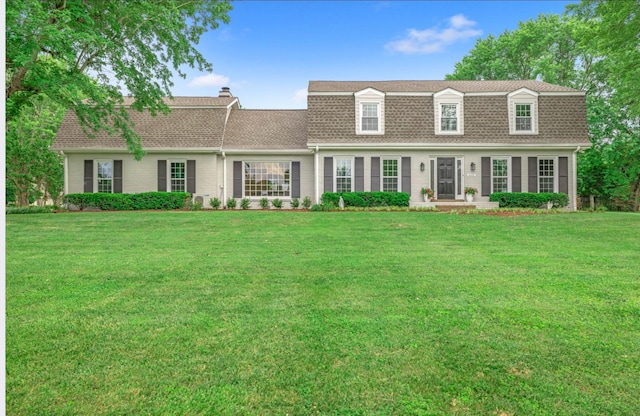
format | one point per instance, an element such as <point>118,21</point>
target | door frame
<point>459,173</point>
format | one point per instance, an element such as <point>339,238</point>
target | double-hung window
<point>344,171</point>
<point>370,117</point>
<point>523,117</point>
<point>390,175</point>
<point>500,174</point>
<point>449,118</point>
<point>546,175</point>
<point>105,176</point>
<point>178,176</point>
<point>267,179</point>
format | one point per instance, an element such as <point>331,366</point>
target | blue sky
<point>271,49</point>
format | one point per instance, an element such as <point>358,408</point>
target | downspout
<point>66,172</point>
<point>575,177</point>
<point>317,169</point>
<point>224,179</point>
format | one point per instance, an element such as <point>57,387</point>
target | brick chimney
<point>225,92</point>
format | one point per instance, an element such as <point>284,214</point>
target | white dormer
<point>369,111</point>
<point>523,111</point>
<point>448,107</point>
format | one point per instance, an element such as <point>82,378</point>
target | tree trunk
<point>592,202</point>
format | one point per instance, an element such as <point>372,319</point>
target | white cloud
<point>300,96</point>
<point>211,80</point>
<point>434,39</point>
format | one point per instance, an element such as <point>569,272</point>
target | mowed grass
<point>339,313</point>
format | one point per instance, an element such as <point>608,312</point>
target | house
<point>496,136</point>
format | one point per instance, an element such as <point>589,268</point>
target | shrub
<point>29,210</point>
<point>306,202</point>
<point>264,203</point>
<point>325,206</point>
<point>277,203</point>
<point>367,199</point>
<point>231,203</point>
<point>295,202</point>
<point>123,202</point>
<point>196,206</point>
<point>529,199</point>
<point>215,203</point>
<point>245,203</point>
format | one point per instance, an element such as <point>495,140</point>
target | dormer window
<point>369,111</point>
<point>523,112</point>
<point>448,105</point>
<point>449,117</point>
<point>370,117</point>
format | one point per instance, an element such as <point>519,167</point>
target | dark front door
<point>446,178</point>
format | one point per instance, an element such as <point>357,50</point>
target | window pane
<point>499,167</point>
<point>448,117</point>
<point>343,184</point>
<point>370,117</point>
<point>267,179</point>
<point>500,185</point>
<point>523,117</point>
<point>177,176</point>
<point>390,175</point>
<point>343,175</point>
<point>105,177</point>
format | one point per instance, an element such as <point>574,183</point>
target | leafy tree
<point>80,53</point>
<point>579,50</point>
<point>32,169</point>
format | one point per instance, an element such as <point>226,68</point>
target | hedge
<point>367,199</point>
<point>529,199</point>
<point>127,202</point>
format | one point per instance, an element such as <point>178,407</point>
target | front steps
<point>451,204</point>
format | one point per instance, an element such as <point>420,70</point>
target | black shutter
<point>375,174</point>
<point>328,174</point>
<point>485,166</point>
<point>533,174</point>
<point>117,176</point>
<point>237,179</point>
<point>516,174</point>
<point>88,176</point>
<point>406,175</point>
<point>563,175</point>
<point>359,174</point>
<point>162,176</point>
<point>295,179</point>
<point>191,176</point>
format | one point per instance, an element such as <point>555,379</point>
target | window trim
<point>335,172</point>
<point>448,96</point>
<point>509,172</point>
<point>523,96</point>
<point>554,159</point>
<point>398,176</point>
<point>169,177</point>
<point>457,130</point>
<point>369,96</point>
<point>362,117</point>
<point>244,178</point>
<point>96,180</point>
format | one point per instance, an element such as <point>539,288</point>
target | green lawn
<point>339,313</point>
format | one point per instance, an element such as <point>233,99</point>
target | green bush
<point>264,203</point>
<point>529,199</point>
<point>245,203</point>
<point>231,203</point>
<point>215,203</point>
<point>277,203</point>
<point>306,202</point>
<point>295,203</point>
<point>29,210</point>
<point>129,202</point>
<point>367,199</point>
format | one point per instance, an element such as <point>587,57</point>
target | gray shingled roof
<point>192,101</point>
<point>435,86</point>
<point>266,129</point>
<point>182,128</point>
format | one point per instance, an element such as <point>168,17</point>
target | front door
<point>446,178</point>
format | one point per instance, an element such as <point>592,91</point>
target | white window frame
<point>398,176</point>
<point>363,104</point>
<point>287,184</point>
<point>508,176</point>
<point>523,96</point>
<point>554,159</point>
<point>169,177</point>
<point>96,179</point>
<point>351,160</point>
<point>448,96</point>
<point>369,96</point>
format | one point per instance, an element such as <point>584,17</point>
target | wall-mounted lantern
<point>473,167</point>
<point>422,167</point>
